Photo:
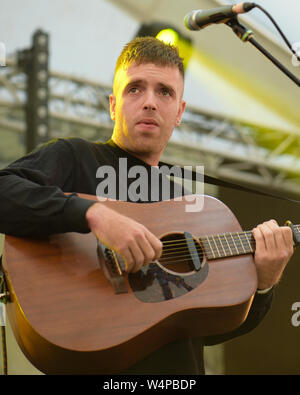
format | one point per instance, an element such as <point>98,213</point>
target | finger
<point>267,230</point>
<point>127,258</point>
<point>147,248</point>
<point>142,251</point>
<point>138,258</point>
<point>278,242</point>
<point>288,236</point>
<point>277,235</point>
<point>156,245</point>
<point>283,240</point>
<point>150,247</point>
<point>259,239</point>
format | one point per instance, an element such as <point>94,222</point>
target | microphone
<point>199,19</point>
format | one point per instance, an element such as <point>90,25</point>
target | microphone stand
<point>247,35</point>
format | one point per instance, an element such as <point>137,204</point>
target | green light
<point>168,36</point>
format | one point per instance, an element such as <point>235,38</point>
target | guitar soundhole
<point>180,269</point>
<point>177,256</point>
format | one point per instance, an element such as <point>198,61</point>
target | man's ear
<point>180,112</point>
<point>112,106</point>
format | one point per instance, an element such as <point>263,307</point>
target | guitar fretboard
<point>228,244</point>
<point>231,244</point>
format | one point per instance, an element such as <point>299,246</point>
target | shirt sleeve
<point>260,306</point>
<point>32,201</point>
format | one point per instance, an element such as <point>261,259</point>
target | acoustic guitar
<point>73,310</point>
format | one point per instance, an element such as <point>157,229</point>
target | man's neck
<point>151,160</point>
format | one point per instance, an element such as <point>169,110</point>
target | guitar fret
<point>221,243</point>
<point>216,247</point>
<point>250,240</point>
<point>244,245</point>
<point>246,240</point>
<point>226,245</point>
<point>210,247</point>
<point>233,241</point>
<point>239,238</point>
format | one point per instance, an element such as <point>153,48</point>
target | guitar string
<point>181,242</point>
<point>185,253</point>
<point>169,244</point>
<point>223,237</point>
<point>184,250</point>
<point>189,256</point>
<point>178,258</point>
<point>229,247</point>
<point>169,252</point>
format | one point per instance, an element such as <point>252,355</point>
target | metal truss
<point>227,148</point>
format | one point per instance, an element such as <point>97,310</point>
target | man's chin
<point>145,143</point>
<point>145,151</point>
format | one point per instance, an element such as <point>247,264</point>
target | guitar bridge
<point>112,265</point>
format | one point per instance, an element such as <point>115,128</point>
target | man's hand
<point>274,248</point>
<point>130,239</point>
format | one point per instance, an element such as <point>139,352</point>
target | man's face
<point>146,105</point>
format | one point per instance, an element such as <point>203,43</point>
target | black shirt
<point>33,203</point>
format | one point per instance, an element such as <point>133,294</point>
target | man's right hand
<point>130,239</point>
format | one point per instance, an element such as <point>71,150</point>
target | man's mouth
<point>148,121</point>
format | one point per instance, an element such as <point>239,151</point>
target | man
<point>146,105</point>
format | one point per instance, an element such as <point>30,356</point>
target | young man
<point>146,105</point>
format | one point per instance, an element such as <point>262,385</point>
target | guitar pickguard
<point>154,283</point>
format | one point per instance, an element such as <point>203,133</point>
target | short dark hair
<point>150,50</point>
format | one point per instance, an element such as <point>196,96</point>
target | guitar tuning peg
<point>296,235</point>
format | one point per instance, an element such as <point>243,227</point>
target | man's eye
<point>134,89</point>
<point>165,92</point>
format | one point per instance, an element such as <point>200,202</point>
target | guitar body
<point>68,319</point>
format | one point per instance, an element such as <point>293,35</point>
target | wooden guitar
<point>74,311</point>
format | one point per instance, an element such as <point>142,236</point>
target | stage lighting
<point>168,34</point>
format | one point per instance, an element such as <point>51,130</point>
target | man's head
<point>149,50</point>
<point>147,102</point>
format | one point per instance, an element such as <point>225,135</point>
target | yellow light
<point>168,36</point>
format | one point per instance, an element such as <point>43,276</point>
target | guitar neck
<point>232,244</point>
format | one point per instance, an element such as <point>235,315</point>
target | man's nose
<point>150,101</point>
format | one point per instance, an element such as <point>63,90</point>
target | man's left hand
<point>274,248</point>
